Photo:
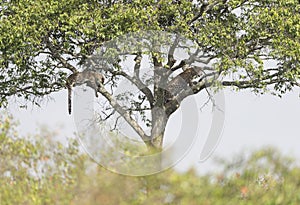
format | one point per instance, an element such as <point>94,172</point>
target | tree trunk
<point>159,122</point>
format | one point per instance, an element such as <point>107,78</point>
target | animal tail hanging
<point>69,84</point>
<point>70,99</point>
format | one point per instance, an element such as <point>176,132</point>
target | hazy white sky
<point>250,122</point>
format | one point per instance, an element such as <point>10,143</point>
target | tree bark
<point>159,122</point>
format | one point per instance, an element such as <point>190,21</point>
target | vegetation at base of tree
<point>244,44</point>
<point>37,170</point>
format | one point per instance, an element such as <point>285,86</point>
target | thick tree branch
<point>202,83</point>
<point>203,8</point>
<point>138,83</point>
<point>125,115</point>
<point>180,65</point>
<point>171,59</point>
<point>137,66</point>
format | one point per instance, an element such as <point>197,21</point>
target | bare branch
<point>138,83</point>
<point>258,82</point>
<point>32,91</point>
<point>125,115</point>
<point>116,123</point>
<point>108,115</point>
<point>205,7</point>
<point>205,59</point>
<point>57,56</point>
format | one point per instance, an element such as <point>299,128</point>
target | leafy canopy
<point>41,41</point>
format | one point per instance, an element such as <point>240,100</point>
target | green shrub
<point>38,170</point>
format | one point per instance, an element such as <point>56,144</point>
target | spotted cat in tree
<point>91,78</point>
<point>181,82</point>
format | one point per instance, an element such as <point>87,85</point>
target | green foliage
<point>38,170</point>
<point>35,170</point>
<point>41,40</point>
<point>35,34</point>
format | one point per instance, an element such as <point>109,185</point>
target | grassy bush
<point>38,170</point>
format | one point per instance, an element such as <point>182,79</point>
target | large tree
<point>246,44</point>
